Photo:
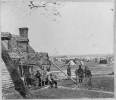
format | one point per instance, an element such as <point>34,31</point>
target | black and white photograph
<point>57,49</point>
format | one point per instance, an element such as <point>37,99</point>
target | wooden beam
<point>63,72</point>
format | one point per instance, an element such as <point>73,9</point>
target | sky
<point>82,28</point>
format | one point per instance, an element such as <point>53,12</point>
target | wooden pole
<point>63,72</point>
<point>76,80</point>
<point>21,69</point>
<point>23,73</point>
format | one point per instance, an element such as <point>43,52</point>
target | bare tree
<point>51,8</point>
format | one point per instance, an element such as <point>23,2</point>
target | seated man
<point>51,80</point>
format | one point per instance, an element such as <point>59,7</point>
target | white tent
<point>79,62</point>
<point>71,62</point>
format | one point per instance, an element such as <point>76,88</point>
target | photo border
<point>114,38</point>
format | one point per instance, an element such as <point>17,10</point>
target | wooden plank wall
<point>6,79</point>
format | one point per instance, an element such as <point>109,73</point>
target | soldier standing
<point>69,71</point>
<point>88,75</point>
<point>38,78</point>
<point>79,72</point>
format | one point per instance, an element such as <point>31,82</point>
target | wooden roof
<point>6,35</point>
<point>19,46</point>
<point>27,58</point>
<point>35,59</point>
<point>22,39</point>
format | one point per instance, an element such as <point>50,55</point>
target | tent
<point>78,62</point>
<point>71,62</point>
<point>74,62</point>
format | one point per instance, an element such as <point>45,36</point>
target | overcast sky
<point>81,28</point>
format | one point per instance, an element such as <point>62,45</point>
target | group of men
<point>45,77</point>
<point>81,73</point>
<point>41,78</point>
<point>48,79</point>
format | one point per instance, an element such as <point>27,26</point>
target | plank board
<point>6,79</point>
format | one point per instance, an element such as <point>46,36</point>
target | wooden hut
<point>17,47</point>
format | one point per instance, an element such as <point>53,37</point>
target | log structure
<point>11,67</point>
<point>19,57</point>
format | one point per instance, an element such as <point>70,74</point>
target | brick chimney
<point>23,32</point>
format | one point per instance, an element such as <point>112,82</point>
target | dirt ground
<point>60,93</point>
<point>102,83</point>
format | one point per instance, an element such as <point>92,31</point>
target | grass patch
<point>95,67</point>
<point>105,83</point>
<point>63,94</point>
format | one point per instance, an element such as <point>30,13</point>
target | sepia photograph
<point>57,49</point>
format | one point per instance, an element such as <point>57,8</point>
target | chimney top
<point>23,32</point>
<point>23,28</point>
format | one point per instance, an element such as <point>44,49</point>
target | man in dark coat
<point>27,78</point>
<point>88,75</point>
<point>38,78</point>
<point>80,73</point>
<point>69,71</point>
<point>87,72</point>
